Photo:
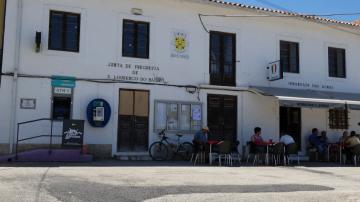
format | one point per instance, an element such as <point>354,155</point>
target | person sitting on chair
<point>353,145</point>
<point>286,138</point>
<point>257,140</point>
<point>315,141</point>
<point>324,138</point>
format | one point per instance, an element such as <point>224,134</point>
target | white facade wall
<point>257,42</point>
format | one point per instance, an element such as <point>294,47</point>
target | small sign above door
<point>62,91</point>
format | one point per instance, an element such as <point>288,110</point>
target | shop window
<point>64,31</point>
<point>178,116</point>
<point>289,56</point>
<point>135,39</point>
<point>61,108</point>
<point>337,62</point>
<point>338,119</point>
<point>222,58</point>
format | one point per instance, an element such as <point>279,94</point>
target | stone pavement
<point>154,181</point>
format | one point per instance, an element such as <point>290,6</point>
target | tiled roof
<point>357,22</point>
<point>308,17</point>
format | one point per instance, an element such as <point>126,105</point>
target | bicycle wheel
<point>186,150</point>
<point>158,151</point>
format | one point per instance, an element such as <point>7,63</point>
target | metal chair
<point>279,153</point>
<point>235,154</point>
<point>198,154</point>
<point>292,149</point>
<point>252,152</point>
<point>225,153</point>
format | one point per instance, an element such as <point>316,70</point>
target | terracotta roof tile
<point>308,17</point>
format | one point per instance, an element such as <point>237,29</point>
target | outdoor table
<point>267,145</point>
<point>211,143</point>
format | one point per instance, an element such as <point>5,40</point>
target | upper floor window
<point>337,62</point>
<point>64,31</point>
<point>289,56</point>
<point>135,39</point>
<point>222,58</point>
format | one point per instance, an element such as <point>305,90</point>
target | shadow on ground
<point>86,191</point>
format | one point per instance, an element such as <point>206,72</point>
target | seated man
<point>324,138</point>
<point>287,140</point>
<point>353,144</point>
<point>315,141</point>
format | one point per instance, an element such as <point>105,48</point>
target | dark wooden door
<point>222,117</point>
<point>290,121</point>
<point>133,126</point>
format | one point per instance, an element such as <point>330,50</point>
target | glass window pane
<point>72,33</point>
<point>56,31</point>
<point>185,116</point>
<point>142,40</point>
<point>172,117</point>
<point>215,47</point>
<point>228,49</point>
<point>160,116</point>
<point>289,56</point>
<point>340,63</point>
<point>129,39</point>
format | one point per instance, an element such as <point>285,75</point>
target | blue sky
<point>311,6</point>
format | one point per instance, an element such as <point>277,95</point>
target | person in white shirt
<point>286,138</point>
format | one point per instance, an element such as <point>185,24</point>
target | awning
<point>312,98</point>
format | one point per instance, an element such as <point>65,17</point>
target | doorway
<point>290,121</point>
<point>222,117</point>
<point>133,121</point>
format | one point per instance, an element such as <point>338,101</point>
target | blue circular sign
<point>98,113</point>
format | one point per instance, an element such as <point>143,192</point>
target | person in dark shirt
<point>315,139</point>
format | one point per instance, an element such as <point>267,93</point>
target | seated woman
<point>257,140</point>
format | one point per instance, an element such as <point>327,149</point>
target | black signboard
<point>73,132</point>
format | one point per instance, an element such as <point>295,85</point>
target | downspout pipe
<point>13,129</point>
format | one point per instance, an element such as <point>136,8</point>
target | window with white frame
<point>178,116</point>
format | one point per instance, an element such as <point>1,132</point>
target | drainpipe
<point>13,129</point>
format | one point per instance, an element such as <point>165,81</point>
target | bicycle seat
<point>179,135</point>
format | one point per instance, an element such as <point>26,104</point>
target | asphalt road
<point>151,181</point>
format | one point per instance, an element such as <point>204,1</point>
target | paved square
<point>153,181</point>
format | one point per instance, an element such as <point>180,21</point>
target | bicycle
<point>161,150</point>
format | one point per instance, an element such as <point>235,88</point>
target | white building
<point>159,64</point>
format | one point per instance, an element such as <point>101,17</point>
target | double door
<point>222,117</point>
<point>133,121</point>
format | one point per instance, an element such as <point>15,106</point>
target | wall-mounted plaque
<point>27,103</point>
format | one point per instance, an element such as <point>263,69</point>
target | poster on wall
<point>73,132</point>
<point>196,112</point>
<point>180,44</point>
